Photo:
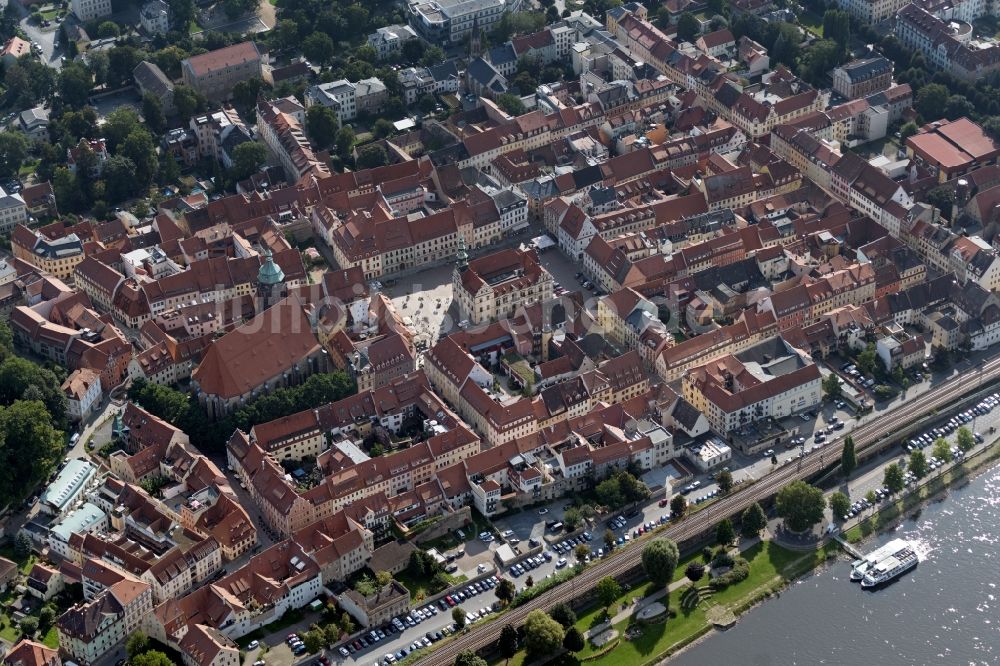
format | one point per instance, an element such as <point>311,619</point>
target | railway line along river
<point>944,612</point>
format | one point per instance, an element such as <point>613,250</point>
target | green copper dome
<point>270,272</point>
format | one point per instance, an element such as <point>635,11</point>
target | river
<point>944,612</point>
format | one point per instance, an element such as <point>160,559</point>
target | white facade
<point>86,10</point>
<point>341,96</point>
<point>389,40</point>
<point>155,17</point>
<point>12,211</point>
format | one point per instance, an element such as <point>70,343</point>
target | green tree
<point>725,481</point>
<point>848,457</point>
<point>511,104</point>
<point>245,94</point>
<point>152,658</point>
<point>141,149</point>
<point>505,590</point>
<point>315,640</point>
<point>571,519</point>
<point>345,141</point>
<point>918,463</point>
<point>509,641</point>
<point>426,103</point>
<point>413,50</point>
<point>942,450</point>
<point>108,29</point>
<point>608,590</point>
<point>837,26</point>
<point>357,18</point>
<point>609,493</point>
<point>22,546</point>
<point>75,125</point>
<point>332,633</point>
<point>867,360</point>
<point>543,636</point>
<point>119,176</point>
<point>137,643</point>
<point>433,55</point>
<point>318,47</point>
<point>581,552</point>
<point>122,61</point>
<point>28,626</point>
<point>31,447</point>
<point>688,27</point>
<point>383,578</point>
<point>801,505</point>
<point>248,157</point>
<point>840,504</point>
<point>753,521</point>
<point>152,111</point>
<point>694,571</point>
<point>469,658</point>
<point>382,128</point>
<point>966,440</point>
<point>321,125</point>
<point>957,107</point>
<point>458,617</point>
<point>609,539</point>
<point>187,102</point>
<point>871,497</point>
<point>28,82</point>
<point>13,151</point>
<point>70,197</point>
<point>181,14</point>
<point>119,124</point>
<point>75,83</point>
<point>678,505</point>
<point>236,8</point>
<point>831,386</point>
<point>724,532</point>
<point>46,616</point>
<point>573,640</point>
<point>931,101</point>
<point>659,559</point>
<point>907,130</point>
<point>346,623</point>
<point>372,156</point>
<point>893,478</point>
<point>563,614</point>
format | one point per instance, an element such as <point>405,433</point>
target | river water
<point>944,612</point>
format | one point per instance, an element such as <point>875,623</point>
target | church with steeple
<point>270,283</point>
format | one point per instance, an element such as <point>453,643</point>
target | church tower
<point>270,283</point>
<point>475,41</point>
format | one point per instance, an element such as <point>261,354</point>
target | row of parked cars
<point>398,624</point>
<point>564,547</point>
<point>985,406</point>
<point>429,638</point>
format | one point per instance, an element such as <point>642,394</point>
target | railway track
<point>866,437</point>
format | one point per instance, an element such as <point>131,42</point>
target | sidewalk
<point>626,613</point>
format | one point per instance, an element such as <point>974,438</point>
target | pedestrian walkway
<point>854,552</point>
<point>626,613</point>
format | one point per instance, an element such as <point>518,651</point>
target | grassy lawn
<point>51,638</point>
<point>812,22</point>
<point>9,633</point>
<point>28,168</point>
<point>193,27</point>
<point>24,564</point>
<point>420,587</point>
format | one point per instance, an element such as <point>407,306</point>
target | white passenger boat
<point>890,568</point>
<point>860,567</point>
